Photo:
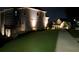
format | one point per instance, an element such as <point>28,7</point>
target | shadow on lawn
<point>4,39</point>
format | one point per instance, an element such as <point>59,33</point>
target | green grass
<point>44,41</point>
<point>74,33</point>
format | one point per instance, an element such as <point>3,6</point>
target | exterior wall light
<point>2,30</point>
<point>8,32</point>
<point>33,24</point>
<point>46,21</point>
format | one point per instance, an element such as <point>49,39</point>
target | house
<point>61,24</point>
<point>15,21</point>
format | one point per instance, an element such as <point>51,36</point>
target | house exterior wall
<point>21,20</point>
<point>33,18</point>
<point>24,20</point>
<point>0,22</point>
<point>40,24</point>
<point>46,22</point>
<point>8,22</point>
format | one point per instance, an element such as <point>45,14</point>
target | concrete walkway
<point>66,43</point>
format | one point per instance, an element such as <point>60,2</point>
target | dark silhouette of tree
<point>50,24</point>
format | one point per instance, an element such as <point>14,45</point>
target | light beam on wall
<point>46,21</point>
<point>33,24</point>
<point>2,30</point>
<point>8,32</point>
<point>23,26</point>
<point>33,18</point>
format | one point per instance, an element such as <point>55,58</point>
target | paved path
<point>66,43</point>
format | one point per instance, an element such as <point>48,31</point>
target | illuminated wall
<point>40,21</point>
<point>2,30</point>
<point>29,19</point>
<point>2,23</point>
<point>24,20</point>
<point>46,21</point>
<point>23,26</point>
<point>37,18</point>
<point>8,32</point>
<point>33,18</point>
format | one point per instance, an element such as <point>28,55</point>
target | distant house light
<point>59,21</point>
<point>67,27</point>
<point>77,21</point>
<point>62,25</point>
<point>74,19</point>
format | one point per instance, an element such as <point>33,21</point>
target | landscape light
<point>23,26</point>
<point>2,30</point>
<point>33,17</point>
<point>46,21</point>
<point>33,24</point>
<point>8,32</point>
<point>74,19</point>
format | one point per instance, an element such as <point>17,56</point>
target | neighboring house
<point>61,24</point>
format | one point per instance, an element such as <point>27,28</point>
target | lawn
<point>74,33</point>
<point>41,41</point>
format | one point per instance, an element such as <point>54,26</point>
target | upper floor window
<point>15,13</point>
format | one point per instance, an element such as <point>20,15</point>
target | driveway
<point>66,43</point>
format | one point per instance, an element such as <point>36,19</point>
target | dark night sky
<point>61,12</point>
<point>55,12</point>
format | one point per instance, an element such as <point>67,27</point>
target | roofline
<point>32,9</point>
<point>5,10</point>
